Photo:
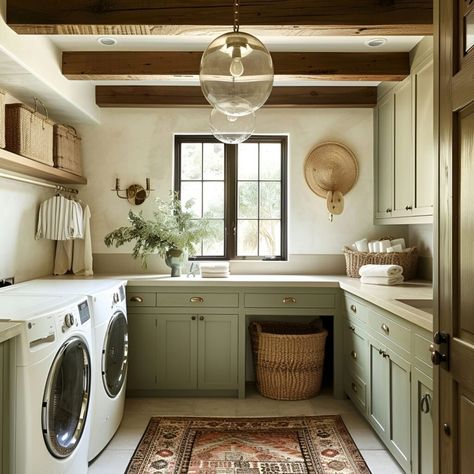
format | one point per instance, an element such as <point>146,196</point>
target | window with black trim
<point>241,190</point>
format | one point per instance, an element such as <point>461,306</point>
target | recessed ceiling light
<point>376,42</point>
<point>107,41</point>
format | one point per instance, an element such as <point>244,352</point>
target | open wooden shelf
<point>19,164</point>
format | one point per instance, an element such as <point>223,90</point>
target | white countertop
<point>9,330</point>
<point>385,297</point>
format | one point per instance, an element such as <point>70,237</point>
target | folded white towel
<point>214,274</point>
<point>385,281</point>
<point>217,267</point>
<point>380,270</point>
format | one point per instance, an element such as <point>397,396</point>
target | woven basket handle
<point>44,108</point>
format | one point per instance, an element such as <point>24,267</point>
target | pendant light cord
<point>236,16</point>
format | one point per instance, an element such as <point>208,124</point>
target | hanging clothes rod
<point>56,187</point>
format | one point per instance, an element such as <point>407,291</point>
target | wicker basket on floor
<point>2,119</point>
<point>408,260</point>
<point>288,358</point>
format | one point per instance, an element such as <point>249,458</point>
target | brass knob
<point>354,387</point>
<point>353,308</point>
<point>136,299</point>
<point>196,299</point>
<point>354,355</point>
<point>289,300</point>
<point>408,208</point>
<point>193,318</point>
<point>201,318</point>
<point>352,328</point>
<point>385,328</point>
<point>388,210</point>
<point>425,403</point>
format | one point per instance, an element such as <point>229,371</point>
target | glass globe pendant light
<point>231,129</point>
<point>236,73</point>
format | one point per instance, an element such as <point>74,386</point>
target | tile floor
<point>114,459</point>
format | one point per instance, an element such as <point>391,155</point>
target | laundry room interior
<point>236,237</point>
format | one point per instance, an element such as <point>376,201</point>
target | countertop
<point>9,330</point>
<point>385,297</point>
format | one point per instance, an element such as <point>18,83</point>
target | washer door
<point>115,354</point>
<point>66,398</point>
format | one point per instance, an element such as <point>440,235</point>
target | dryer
<point>110,335</point>
<point>51,377</point>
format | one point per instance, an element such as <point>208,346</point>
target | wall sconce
<point>135,194</point>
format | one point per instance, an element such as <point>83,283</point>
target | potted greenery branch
<point>172,233</point>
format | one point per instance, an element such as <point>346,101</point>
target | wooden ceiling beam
<point>289,17</point>
<point>191,96</point>
<point>143,65</point>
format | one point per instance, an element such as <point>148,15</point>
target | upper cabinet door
<point>403,196</point>
<point>384,159</point>
<point>424,125</point>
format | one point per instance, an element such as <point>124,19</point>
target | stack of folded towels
<point>215,270</point>
<point>381,274</point>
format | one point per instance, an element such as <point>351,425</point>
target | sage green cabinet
<point>4,408</point>
<point>182,351</point>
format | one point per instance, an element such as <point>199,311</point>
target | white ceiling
<point>199,43</point>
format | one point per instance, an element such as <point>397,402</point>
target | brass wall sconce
<point>135,194</point>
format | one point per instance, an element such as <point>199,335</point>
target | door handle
<point>425,403</point>
<point>353,308</point>
<point>193,318</point>
<point>354,355</point>
<point>385,328</point>
<point>201,318</point>
<point>289,300</point>
<point>196,299</point>
<point>136,299</point>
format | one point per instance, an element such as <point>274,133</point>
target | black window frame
<point>230,192</point>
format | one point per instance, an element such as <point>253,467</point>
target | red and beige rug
<point>316,444</point>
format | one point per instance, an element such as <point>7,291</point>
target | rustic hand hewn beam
<point>169,64</point>
<point>191,96</point>
<point>289,17</point>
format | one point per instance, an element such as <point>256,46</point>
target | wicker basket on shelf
<point>2,119</point>
<point>29,133</point>
<point>408,260</point>
<point>67,149</point>
<point>288,358</point>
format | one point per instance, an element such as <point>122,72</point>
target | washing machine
<point>51,366</point>
<point>110,335</point>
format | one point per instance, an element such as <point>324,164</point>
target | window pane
<point>248,200</point>
<point>269,238</point>
<point>191,161</point>
<point>213,199</point>
<point>270,200</point>
<point>190,190</point>
<point>270,161</point>
<point>248,161</point>
<point>214,244</point>
<point>213,161</point>
<point>247,238</point>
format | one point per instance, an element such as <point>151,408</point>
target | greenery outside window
<point>241,190</point>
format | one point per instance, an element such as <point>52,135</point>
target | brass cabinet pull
<point>353,308</point>
<point>196,299</point>
<point>201,318</point>
<point>193,318</point>
<point>136,299</point>
<point>352,328</point>
<point>354,355</point>
<point>354,387</point>
<point>385,328</point>
<point>425,403</point>
<point>289,300</point>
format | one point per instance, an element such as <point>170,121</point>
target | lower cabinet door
<point>218,351</point>
<point>177,349</point>
<point>142,369</point>
<point>422,423</point>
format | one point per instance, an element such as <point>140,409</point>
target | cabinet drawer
<point>391,330</point>
<point>288,300</point>
<point>198,300</point>
<point>356,391</point>
<point>357,310</point>
<point>356,349</point>
<point>138,299</point>
<point>422,354</point>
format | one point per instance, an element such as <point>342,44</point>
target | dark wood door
<point>454,380</point>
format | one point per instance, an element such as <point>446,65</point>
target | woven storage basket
<point>2,119</point>
<point>29,133</point>
<point>407,260</point>
<point>67,149</point>
<point>288,359</point>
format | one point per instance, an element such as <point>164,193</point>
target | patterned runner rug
<point>315,444</point>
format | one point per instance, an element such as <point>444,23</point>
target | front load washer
<point>51,377</point>
<point>110,334</point>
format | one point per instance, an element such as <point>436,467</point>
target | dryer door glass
<point>115,355</point>
<point>66,398</point>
